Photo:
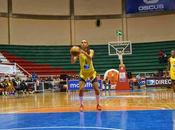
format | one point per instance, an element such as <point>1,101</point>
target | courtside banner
<point>158,82</point>
<point>74,85</point>
<point>139,6</point>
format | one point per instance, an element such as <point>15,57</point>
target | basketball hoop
<point>120,57</point>
<point>120,48</point>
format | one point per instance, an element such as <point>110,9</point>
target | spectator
<point>37,82</point>
<point>50,82</point>
<point>160,73</point>
<point>34,76</point>
<point>29,79</point>
<point>23,86</point>
<point>4,83</point>
<point>131,83</point>
<point>162,57</point>
<point>107,84</point>
<point>138,78</point>
<point>56,82</point>
<point>10,88</point>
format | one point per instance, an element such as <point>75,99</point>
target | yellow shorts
<point>88,75</point>
<point>172,75</point>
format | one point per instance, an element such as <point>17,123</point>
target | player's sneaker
<point>99,108</point>
<point>81,108</point>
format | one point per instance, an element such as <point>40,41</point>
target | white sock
<point>81,100</point>
<point>98,99</point>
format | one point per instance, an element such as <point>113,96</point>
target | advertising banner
<point>74,85</point>
<point>139,6</point>
<point>158,82</point>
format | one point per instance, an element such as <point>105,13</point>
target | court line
<point>107,97</point>
<point>127,96</point>
<point>105,109</point>
<point>62,127</point>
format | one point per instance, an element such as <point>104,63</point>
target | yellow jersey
<point>172,68</point>
<point>87,70</point>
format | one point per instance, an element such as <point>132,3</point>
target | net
<point>120,48</point>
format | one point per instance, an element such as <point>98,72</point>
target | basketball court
<point>126,46</point>
<point>124,110</point>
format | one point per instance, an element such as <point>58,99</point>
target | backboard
<point>120,48</point>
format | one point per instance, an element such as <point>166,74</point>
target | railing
<point>40,86</point>
<point>15,64</point>
<point>7,68</point>
<point>144,73</point>
<point>21,68</point>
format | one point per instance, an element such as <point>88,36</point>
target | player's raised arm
<point>74,59</point>
<point>90,55</point>
<point>75,52</point>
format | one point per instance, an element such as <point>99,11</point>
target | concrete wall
<point>29,31</point>
<point>46,7</point>
<point>64,31</point>
<point>3,30</point>
<point>153,28</point>
<point>3,6</point>
<point>87,29</point>
<point>98,7</point>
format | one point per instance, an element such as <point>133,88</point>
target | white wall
<point>150,29</point>
<point>3,30</point>
<point>87,29</point>
<point>98,7</point>
<point>51,32</point>
<point>46,7</point>
<point>3,5</point>
<point>27,31</point>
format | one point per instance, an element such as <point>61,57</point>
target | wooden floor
<point>151,99</point>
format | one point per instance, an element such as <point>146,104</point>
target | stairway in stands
<point>40,69</point>
<point>19,72</point>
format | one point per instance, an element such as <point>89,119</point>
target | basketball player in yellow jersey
<point>172,68</point>
<point>87,71</point>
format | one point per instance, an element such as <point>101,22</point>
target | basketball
<point>75,51</point>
